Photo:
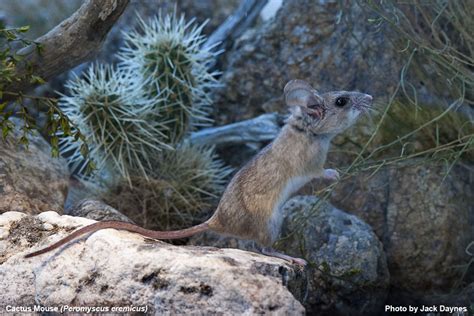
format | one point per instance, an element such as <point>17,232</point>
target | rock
<point>79,191</point>
<point>331,45</point>
<point>457,300</point>
<point>221,241</point>
<point>424,219</point>
<point>350,275</point>
<point>213,11</point>
<point>348,271</point>
<point>460,298</point>
<point>97,210</point>
<point>31,181</point>
<point>117,268</point>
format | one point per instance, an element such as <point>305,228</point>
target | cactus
<point>109,108</point>
<point>180,191</point>
<point>167,53</point>
<point>135,118</point>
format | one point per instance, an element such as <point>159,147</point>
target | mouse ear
<point>296,84</point>
<point>300,93</point>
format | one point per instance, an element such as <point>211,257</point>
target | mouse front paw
<point>331,174</point>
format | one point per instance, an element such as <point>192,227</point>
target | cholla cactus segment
<point>167,53</point>
<point>108,106</point>
<point>182,189</point>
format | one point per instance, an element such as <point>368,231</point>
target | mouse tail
<point>173,234</point>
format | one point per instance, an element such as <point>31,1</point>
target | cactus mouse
<point>251,206</point>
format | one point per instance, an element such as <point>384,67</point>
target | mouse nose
<point>368,98</point>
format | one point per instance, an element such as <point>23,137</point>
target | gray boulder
<point>113,268</point>
<point>98,211</point>
<point>424,218</point>
<point>349,275</point>
<point>31,181</point>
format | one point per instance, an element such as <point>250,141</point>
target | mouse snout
<point>362,101</point>
<point>367,98</point>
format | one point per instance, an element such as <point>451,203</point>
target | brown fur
<point>259,184</point>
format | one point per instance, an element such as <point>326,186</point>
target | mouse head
<point>327,113</point>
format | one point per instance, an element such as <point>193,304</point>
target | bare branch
<point>73,41</point>
<point>235,24</point>
<point>262,128</point>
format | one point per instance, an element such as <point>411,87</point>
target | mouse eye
<point>341,101</point>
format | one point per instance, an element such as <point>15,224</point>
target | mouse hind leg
<point>268,251</point>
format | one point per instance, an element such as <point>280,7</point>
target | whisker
<point>368,108</point>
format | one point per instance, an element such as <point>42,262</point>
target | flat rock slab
<point>117,268</point>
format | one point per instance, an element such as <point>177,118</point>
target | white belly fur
<point>291,187</point>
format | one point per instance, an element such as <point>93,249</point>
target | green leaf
<point>90,167</point>
<point>24,29</point>
<point>84,150</point>
<point>7,115</point>
<point>55,141</point>
<point>77,135</point>
<point>54,152</point>
<point>37,79</point>
<point>53,127</point>
<point>10,36</point>
<point>65,126</point>
<point>5,130</point>
<point>24,141</point>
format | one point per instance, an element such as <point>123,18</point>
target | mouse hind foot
<point>331,174</point>
<point>273,253</point>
